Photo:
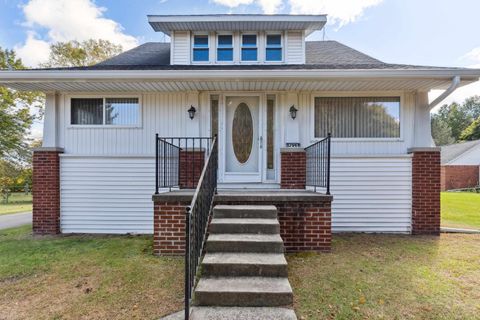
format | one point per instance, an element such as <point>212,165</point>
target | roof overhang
<point>243,80</point>
<point>236,22</point>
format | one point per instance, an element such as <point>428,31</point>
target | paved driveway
<point>15,220</point>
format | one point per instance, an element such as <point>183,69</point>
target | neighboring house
<point>460,165</point>
<point>268,93</point>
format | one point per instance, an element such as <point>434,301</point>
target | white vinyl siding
<point>106,194</point>
<point>295,47</point>
<point>180,47</point>
<point>371,194</point>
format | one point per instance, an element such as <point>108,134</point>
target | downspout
<point>453,86</point>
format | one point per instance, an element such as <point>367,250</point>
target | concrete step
<point>244,242</point>
<point>244,265</point>
<point>245,313</point>
<point>241,211</point>
<point>244,225</point>
<point>243,292</point>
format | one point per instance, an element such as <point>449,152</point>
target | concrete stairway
<point>244,272</point>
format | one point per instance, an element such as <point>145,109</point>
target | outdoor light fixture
<point>293,112</point>
<point>191,112</point>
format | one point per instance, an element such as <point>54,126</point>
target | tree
<point>472,132</point>
<point>15,113</point>
<point>472,106</point>
<point>441,132</point>
<point>79,54</point>
<point>457,118</point>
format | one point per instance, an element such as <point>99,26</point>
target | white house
<point>268,93</point>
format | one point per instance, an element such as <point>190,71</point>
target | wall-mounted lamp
<point>191,112</point>
<point>293,112</point>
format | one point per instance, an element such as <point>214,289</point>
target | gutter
<point>316,74</point>
<point>453,86</point>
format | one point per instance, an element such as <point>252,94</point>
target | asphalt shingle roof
<point>453,151</point>
<point>319,55</point>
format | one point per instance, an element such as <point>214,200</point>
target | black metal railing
<point>179,161</point>
<point>318,164</point>
<point>196,222</point>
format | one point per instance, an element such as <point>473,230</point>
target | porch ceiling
<point>151,85</point>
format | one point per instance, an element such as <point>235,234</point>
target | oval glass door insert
<point>242,133</point>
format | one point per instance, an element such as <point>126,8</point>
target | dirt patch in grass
<point>389,277</point>
<point>86,277</point>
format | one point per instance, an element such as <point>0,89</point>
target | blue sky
<point>424,32</point>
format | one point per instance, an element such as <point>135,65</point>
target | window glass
<point>225,48</point>
<point>86,111</point>
<point>214,114</point>
<point>357,117</point>
<point>274,48</point>
<point>122,111</point>
<point>200,48</point>
<point>249,47</point>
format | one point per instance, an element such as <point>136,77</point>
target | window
<point>249,47</point>
<point>105,111</point>
<point>271,137</point>
<point>214,114</point>
<point>357,117</point>
<point>225,48</point>
<point>274,47</point>
<point>200,48</point>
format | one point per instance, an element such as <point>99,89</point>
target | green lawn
<point>389,277</point>
<point>461,209</point>
<point>17,202</point>
<point>85,277</point>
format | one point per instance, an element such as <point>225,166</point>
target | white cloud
<point>339,12</point>
<point>458,95</point>
<point>67,20</point>
<point>270,6</point>
<point>33,51</point>
<point>232,3</point>
<point>473,56</point>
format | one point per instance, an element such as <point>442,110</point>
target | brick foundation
<point>293,173</point>
<point>426,191</point>
<point>169,227</point>
<point>459,177</point>
<point>46,191</point>
<point>191,166</point>
<point>305,222</point>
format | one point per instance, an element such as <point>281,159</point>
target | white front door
<point>243,139</point>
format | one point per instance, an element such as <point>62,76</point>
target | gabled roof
<point>237,22</point>
<point>454,151</point>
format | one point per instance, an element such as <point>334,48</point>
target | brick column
<point>293,173</point>
<point>169,223</point>
<point>191,166</point>
<point>425,191</point>
<point>46,191</point>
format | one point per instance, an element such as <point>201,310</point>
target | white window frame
<point>192,47</point>
<point>103,125</point>
<point>256,47</point>
<point>399,94</point>
<point>282,46</point>
<point>216,47</point>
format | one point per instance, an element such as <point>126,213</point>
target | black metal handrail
<point>179,161</point>
<point>318,164</point>
<point>196,222</point>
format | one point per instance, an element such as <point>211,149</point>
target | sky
<point>421,32</point>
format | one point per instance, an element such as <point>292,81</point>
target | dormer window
<point>225,47</point>
<point>273,50</point>
<point>249,47</point>
<point>200,48</point>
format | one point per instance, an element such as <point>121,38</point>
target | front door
<point>243,139</point>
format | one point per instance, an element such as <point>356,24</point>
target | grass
<point>389,277</point>
<point>85,277</point>
<point>17,202</point>
<point>461,209</point>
